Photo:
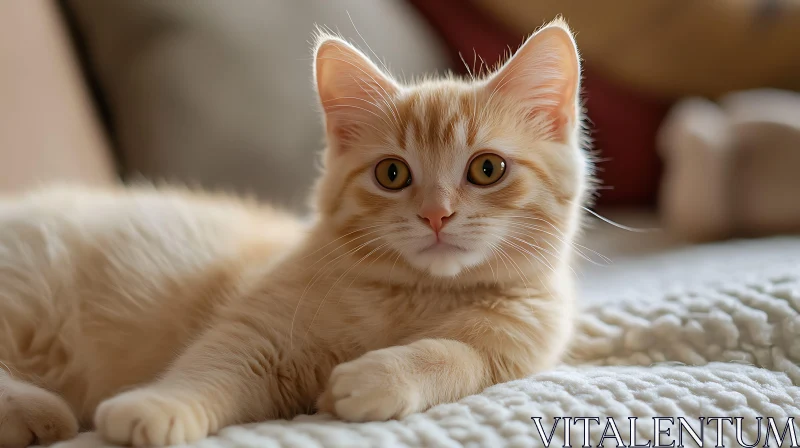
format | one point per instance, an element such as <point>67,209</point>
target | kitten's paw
<point>374,387</point>
<point>146,417</point>
<point>29,414</point>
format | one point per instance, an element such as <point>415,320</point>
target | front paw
<point>147,417</point>
<point>375,387</point>
<point>30,414</point>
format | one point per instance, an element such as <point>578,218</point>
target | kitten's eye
<point>486,169</point>
<point>393,174</point>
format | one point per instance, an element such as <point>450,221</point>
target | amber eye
<point>486,169</point>
<point>393,174</point>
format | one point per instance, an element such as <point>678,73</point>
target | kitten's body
<point>99,290</point>
<point>226,312</point>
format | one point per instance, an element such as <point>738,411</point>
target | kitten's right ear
<point>353,91</point>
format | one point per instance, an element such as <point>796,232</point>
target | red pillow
<point>623,123</point>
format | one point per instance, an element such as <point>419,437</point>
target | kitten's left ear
<point>353,91</point>
<point>544,77</point>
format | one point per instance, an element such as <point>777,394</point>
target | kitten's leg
<point>398,381</point>
<point>227,377</point>
<point>459,356</point>
<point>31,414</point>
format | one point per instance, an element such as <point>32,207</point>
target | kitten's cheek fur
<point>375,387</point>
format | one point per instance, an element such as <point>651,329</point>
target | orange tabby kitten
<point>438,265</point>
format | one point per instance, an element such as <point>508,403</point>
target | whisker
<point>317,275</point>
<point>489,263</point>
<point>341,246</point>
<point>616,224</point>
<point>333,286</point>
<point>343,236</point>
<point>564,240</point>
<point>370,264</point>
<point>516,268</point>
<point>578,248</point>
<point>314,280</point>
<point>536,218</point>
<point>393,265</point>
<point>540,249</point>
<point>540,257</point>
<point>536,272</point>
<point>496,250</point>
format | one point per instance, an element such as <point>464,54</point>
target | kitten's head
<point>448,174</point>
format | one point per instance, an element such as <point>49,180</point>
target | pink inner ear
<point>543,77</point>
<point>352,90</point>
<point>550,109</point>
<point>556,122</point>
<point>344,134</point>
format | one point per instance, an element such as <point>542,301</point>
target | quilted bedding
<point>708,331</point>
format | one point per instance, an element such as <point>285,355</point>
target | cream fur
<point>162,315</point>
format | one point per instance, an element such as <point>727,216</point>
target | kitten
<point>438,265</point>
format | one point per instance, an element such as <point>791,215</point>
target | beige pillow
<point>220,92</point>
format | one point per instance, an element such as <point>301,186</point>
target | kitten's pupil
<point>392,173</point>
<point>488,168</point>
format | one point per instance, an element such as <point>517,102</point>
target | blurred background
<point>691,104</point>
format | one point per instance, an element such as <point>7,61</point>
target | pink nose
<point>436,216</point>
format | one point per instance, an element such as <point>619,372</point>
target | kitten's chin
<point>444,268</point>
<point>444,263</point>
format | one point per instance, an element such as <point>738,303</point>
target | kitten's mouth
<point>444,259</point>
<point>442,247</point>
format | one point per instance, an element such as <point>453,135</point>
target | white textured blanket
<point>710,331</point>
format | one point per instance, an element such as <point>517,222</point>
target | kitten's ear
<point>544,77</point>
<point>355,94</point>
